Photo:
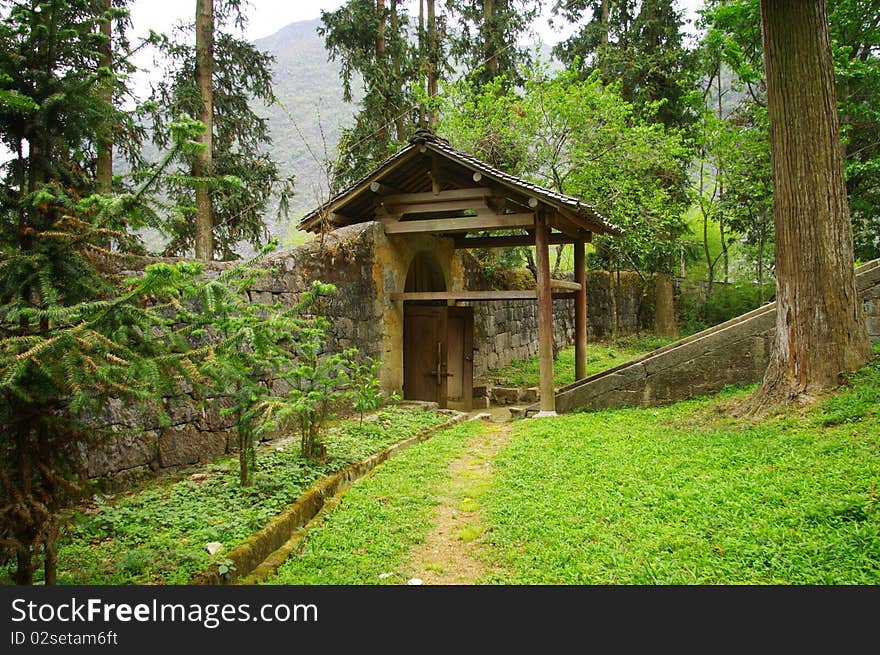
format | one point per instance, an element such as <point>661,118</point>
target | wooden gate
<point>438,344</point>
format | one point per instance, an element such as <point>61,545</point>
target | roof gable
<point>430,164</point>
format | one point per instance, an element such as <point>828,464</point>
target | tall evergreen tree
<point>485,42</point>
<point>55,111</point>
<point>240,177</point>
<point>641,44</point>
<point>373,41</point>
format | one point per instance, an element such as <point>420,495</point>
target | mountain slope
<point>309,101</point>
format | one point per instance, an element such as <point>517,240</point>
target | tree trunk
<point>204,233</point>
<point>433,87</point>
<point>761,269</point>
<point>664,317</point>
<point>104,163</point>
<point>423,81</point>
<point>724,255</point>
<point>820,326</point>
<point>490,41</point>
<point>24,571</point>
<point>50,563</point>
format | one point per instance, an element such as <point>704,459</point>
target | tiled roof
<point>427,139</point>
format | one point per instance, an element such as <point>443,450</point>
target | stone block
<point>529,395</point>
<point>505,395</point>
<point>122,451</point>
<point>181,445</point>
<point>481,391</point>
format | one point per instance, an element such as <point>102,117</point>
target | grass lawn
<point>368,537</point>
<point>684,494</point>
<point>600,357</point>
<point>157,534</point>
<point>676,495</point>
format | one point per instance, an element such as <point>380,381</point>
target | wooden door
<point>424,353</point>
<point>438,355</point>
<point>460,357</point>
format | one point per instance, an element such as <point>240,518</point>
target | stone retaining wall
<point>735,352</point>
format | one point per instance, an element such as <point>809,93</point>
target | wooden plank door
<point>460,357</point>
<point>425,350</point>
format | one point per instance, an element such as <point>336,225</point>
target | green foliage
<point>157,534</point>
<point>726,301</point>
<point>582,138</point>
<point>486,41</point>
<point>365,392</point>
<point>639,44</point>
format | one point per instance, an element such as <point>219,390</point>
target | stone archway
<point>425,274</point>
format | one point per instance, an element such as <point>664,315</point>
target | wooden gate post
<point>545,314</point>
<point>580,311</point>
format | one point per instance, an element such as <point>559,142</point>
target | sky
<point>268,16</point>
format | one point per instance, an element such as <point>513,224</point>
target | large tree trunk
<point>820,327</point>
<point>204,236</point>
<point>104,163</point>
<point>399,128</point>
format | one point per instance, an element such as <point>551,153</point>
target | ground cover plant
<point>600,357</point>
<point>684,494</point>
<point>158,533</point>
<point>368,537</point>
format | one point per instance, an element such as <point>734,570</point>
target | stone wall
<point>138,445</point>
<point>735,352</point>
<point>366,267</point>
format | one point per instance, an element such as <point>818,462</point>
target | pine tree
<point>242,178</point>
<point>373,40</point>
<point>485,43</point>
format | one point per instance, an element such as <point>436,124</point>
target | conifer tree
<point>241,178</point>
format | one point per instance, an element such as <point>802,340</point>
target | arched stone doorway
<point>437,341</point>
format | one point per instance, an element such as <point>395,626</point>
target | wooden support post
<point>545,314</point>
<point>580,311</point>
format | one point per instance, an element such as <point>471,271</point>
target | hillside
<point>309,94</point>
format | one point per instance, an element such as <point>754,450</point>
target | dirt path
<point>449,555</point>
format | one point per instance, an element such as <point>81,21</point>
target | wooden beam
<point>560,222</point>
<point>565,284</point>
<point>508,241</point>
<point>460,224</point>
<point>436,207</point>
<point>584,226</point>
<point>473,296</point>
<point>545,314</point>
<point>472,193</point>
<point>580,311</point>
